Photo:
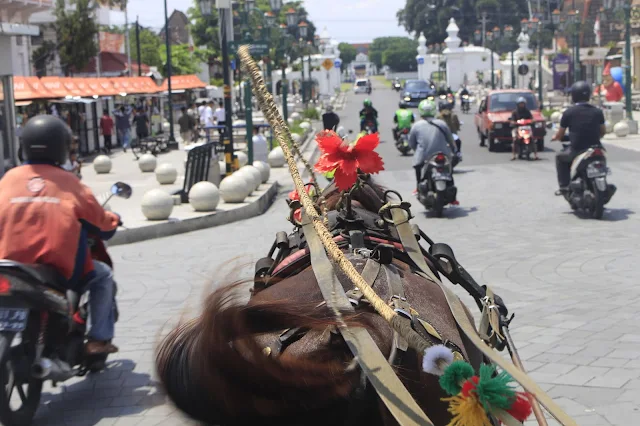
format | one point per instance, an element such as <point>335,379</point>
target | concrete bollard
<point>264,168</point>
<point>296,137</point>
<point>621,129</point>
<point>233,189</point>
<point>102,164</point>
<point>556,116</point>
<point>305,125</point>
<point>166,174</point>
<point>243,159</point>
<point>255,174</point>
<point>156,205</point>
<point>276,157</point>
<point>204,196</point>
<point>147,163</point>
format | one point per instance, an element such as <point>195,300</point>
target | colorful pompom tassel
<point>474,398</point>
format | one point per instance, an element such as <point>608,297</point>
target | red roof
<point>113,62</point>
<point>183,82</point>
<point>27,88</point>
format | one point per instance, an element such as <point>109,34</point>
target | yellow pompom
<point>467,411</point>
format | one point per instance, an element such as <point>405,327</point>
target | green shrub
<point>311,114</point>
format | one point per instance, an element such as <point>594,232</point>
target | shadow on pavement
<point>451,212</point>
<point>114,392</point>
<point>610,215</point>
<point>463,171</point>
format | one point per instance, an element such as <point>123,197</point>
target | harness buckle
<point>385,212</point>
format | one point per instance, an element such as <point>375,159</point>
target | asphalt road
<point>386,100</point>
<point>571,282</point>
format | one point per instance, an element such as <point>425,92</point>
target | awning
<point>54,86</point>
<point>134,85</point>
<point>28,88</point>
<point>183,82</point>
<point>101,87</point>
<point>71,86</point>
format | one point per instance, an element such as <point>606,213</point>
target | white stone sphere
<point>242,158</point>
<point>264,168</point>
<point>296,137</point>
<point>621,129</point>
<point>156,204</point>
<point>102,164</point>
<point>609,126</point>
<point>556,116</point>
<point>166,174</point>
<point>305,125</point>
<point>290,121</point>
<point>276,157</point>
<point>147,163</point>
<point>223,167</point>
<point>248,177</point>
<point>255,173</point>
<point>166,126</point>
<point>204,196</point>
<point>295,115</point>
<point>233,189</point>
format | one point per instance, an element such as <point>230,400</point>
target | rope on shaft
<point>268,106</point>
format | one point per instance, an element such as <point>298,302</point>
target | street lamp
<point>276,5</point>
<point>270,18</point>
<point>508,33</point>
<point>535,26</point>
<point>292,17</point>
<point>489,36</point>
<point>477,36</point>
<point>172,137</point>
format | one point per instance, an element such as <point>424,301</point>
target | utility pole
<point>138,47</point>
<point>484,27</point>
<point>126,37</point>
<point>224,12</point>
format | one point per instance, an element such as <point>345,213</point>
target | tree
<point>347,53</point>
<point>401,58</point>
<point>150,45</point>
<point>76,32</point>
<point>183,60</point>
<point>42,56</point>
<point>204,29</point>
<point>382,45</point>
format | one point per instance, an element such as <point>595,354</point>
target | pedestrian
<point>187,124</point>
<point>201,109</point>
<point>123,127</point>
<point>220,116</point>
<point>72,164</point>
<point>260,146</point>
<point>209,122</point>
<point>141,121</point>
<point>106,129</point>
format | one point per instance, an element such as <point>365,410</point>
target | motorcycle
<point>397,87</point>
<point>457,153</point>
<point>402,142</point>
<point>370,127</point>
<point>588,190</point>
<point>436,189</point>
<point>451,100</point>
<point>42,331</point>
<point>465,104</point>
<point>524,144</point>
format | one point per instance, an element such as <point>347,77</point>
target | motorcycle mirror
<point>549,125</point>
<point>121,189</point>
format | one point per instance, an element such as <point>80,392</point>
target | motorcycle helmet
<point>329,108</point>
<point>580,92</point>
<point>521,100</point>
<point>46,139</point>
<point>367,103</point>
<point>427,108</point>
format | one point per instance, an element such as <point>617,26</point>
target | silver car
<point>361,86</point>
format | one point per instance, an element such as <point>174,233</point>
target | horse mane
<point>214,369</point>
<point>368,194</point>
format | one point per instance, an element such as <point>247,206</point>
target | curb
<point>166,229</point>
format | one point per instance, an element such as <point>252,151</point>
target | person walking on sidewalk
<point>187,125</point>
<point>220,116</point>
<point>142,124</point>
<point>106,129</point>
<point>123,127</point>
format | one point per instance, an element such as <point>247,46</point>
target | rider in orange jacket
<point>45,215</point>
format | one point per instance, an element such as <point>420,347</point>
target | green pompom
<point>454,375</point>
<point>494,391</point>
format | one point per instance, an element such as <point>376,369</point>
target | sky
<point>355,21</point>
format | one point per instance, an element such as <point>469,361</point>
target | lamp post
<point>535,28</point>
<point>168,47</point>
<point>303,28</point>
<point>508,33</point>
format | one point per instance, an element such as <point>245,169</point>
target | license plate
<point>596,173</point>
<point>441,176</point>
<point>13,319</point>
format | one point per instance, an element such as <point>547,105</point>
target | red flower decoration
<point>347,159</point>
<point>294,196</point>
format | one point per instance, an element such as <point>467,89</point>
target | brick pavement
<point>571,282</point>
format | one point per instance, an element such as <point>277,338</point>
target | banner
<point>110,42</point>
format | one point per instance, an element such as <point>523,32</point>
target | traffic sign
<point>337,63</point>
<point>523,69</point>
<point>327,64</point>
<point>233,64</point>
<point>256,48</point>
<point>420,60</point>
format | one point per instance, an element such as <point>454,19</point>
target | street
<point>571,282</point>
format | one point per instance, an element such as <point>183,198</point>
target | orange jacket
<point>43,209</point>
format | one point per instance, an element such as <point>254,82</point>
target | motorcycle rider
<point>463,91</point>
<point>45,214</point>
<point>586,126</point>
<point>451,118</point>
<point>403,119</point>
<point>368,113</point>
<point>330,119</point>
<point>520,113</point>
<point>428,137</point>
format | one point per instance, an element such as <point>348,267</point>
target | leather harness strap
<point>401,221</point>
<point>390,389</point>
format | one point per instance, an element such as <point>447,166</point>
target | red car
<point>492,119</point>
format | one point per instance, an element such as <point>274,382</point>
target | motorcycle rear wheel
<point>597,209</point>
<point>438,206</point>
<point>30,397</point>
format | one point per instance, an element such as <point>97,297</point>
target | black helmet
<point>46,138</point>
<point>580,92</point>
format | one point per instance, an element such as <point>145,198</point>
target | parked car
<point>361,86</point>
<point>414,92</point>
<point>492,119</point>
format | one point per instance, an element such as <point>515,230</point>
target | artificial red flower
<point>346,159</point>
<point>294,196</point>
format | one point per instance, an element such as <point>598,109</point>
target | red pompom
<point>469,385</point>
<point>521,407</point>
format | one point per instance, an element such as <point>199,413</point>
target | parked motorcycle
<point>465,104</point>
<point>402,143</point>
<point>524,144</point>
<point>588,190</point>
<point>42,331</point>
<point>436,189</point>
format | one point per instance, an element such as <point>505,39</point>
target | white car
<point>361,86</point>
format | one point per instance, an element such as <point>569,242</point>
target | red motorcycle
<point>43,328</point>
<point>524,144</point>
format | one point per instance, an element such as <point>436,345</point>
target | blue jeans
<point>125,137</point>
<point>101,302</point>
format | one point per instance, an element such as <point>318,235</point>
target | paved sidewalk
<point>631,142</point>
